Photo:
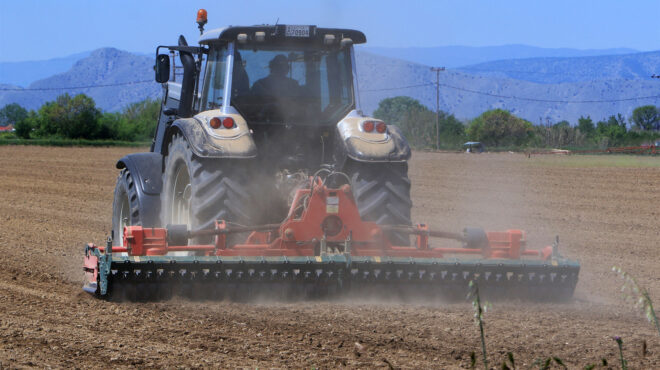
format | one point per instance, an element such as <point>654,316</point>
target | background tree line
<point>77,117</point>
<point>500,128</point>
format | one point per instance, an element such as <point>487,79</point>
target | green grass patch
<point>596,161</point>
<point>74,142</point>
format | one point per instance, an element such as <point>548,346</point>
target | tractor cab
<point>285,86</point>
<point>281,75</point>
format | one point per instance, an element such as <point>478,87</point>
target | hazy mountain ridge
<point>381,77</point>
<point>105,66</point>
<point>460,56</point>
<point>558,70</point>
<point>24,73</point>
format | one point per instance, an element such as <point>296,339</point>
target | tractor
<point>264,172</point>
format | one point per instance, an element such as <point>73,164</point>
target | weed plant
<point>638,296</point>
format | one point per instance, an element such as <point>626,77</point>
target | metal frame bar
<point>229,71</point>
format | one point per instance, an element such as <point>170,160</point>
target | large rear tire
<point>382,193</point>
<point>198,191</point>
<point>125,207</point>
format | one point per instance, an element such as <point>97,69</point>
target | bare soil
<point>606,212</point>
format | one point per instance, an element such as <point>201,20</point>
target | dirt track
<point>605,209</point>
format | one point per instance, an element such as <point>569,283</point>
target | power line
<point>505,71</point>
<point>517,97</point>
<point>398,88</point>
<point>477,71</point>
<point>375,90</point>
<point>76,87</point>
<point>550,100</point>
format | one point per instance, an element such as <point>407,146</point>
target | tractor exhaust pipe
<point>188,82</point>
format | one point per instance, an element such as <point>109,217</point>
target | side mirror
<point>162,68</point>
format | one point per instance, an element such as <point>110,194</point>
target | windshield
<point>292,85</point>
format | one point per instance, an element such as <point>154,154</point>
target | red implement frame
<point>323,218</point>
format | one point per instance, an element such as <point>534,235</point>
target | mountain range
<point>637,66</point>
<point>553,84</point>
<point>108,70</point>
<point>459,56</point>
<point>24,73</point>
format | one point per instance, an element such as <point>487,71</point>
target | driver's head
<point>279,65</point>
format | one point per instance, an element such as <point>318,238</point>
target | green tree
<point>48,117</point>
<point>395,110</point>
<point>613,131</point>
<point>71,117</point>
<point>25,126</point>
<point>560,134</point>
<point>452,131</point>
<point>113,126</point>
<point>82,118</point>
<point>500,128</point>
<point>586,126</point>
<point>647,117</point>
<point>418,127</point>
<point>11,114</point>
<point>417,122</point>
<point>143,116</point>
<point>136,122</point>
<point>563,132</point>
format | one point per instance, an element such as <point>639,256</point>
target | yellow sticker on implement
<point>331,209</point>
<point>554,263</point>
<point>137,258</point>
<point>377,259</point>
<point>319,259</point>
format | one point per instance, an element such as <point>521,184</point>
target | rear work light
<point>228,122</point>
<point>219,122</point>
<point>370,126</point>
<point>215,123</point>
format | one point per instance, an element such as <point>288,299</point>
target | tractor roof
<point>279,32</point>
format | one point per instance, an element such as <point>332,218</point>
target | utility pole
<point>437,71</point>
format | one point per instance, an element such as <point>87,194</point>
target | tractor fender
<point>363,146</point>
<point>146,170</point>
<point>206,142</point>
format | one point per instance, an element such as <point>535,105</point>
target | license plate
<point>297,31</point>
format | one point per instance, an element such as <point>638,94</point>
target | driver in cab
<point>277,84</point>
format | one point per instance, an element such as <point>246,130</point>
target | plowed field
<point>605,209</point>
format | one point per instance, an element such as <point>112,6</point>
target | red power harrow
<point>324,248</point>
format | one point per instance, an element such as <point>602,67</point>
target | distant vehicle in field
<point>474,147</point>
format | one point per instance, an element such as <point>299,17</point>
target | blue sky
<point>33,30</point>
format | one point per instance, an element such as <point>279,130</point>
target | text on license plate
<point>297,31</point>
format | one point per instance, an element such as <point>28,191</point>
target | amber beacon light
<point>201,19</point>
